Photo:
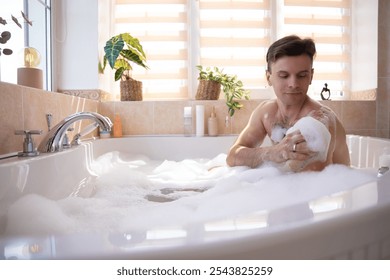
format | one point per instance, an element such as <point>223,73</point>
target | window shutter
<point>328,23</point>
<point>161,27</point>
<point>235,35</point>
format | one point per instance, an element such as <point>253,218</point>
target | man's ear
<point>268,76</point>
<point>312,75</point>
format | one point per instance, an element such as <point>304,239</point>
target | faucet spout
<point>52,142</point>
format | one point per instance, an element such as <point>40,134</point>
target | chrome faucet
<point>53,140</point>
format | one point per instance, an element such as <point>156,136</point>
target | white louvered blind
<point>328,23</point>
<point>161,27</point>
<point>235,35</point>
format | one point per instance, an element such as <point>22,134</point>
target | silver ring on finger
<point>294,148</point>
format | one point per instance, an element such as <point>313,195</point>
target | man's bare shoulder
<point>263,114</point>
<point>266,107</point>
<point>312,104</point>
<point>320,112</point>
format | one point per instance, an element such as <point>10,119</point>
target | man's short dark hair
<point>291,45</point>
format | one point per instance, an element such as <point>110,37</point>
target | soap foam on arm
<point>316,134</point>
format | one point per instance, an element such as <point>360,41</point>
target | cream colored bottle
<point>213,124</point>
<point>117,128</point>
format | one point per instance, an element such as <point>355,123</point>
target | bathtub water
<point>173,197</point>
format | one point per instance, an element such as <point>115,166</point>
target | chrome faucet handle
<point>48,120</point>
<point>88,129</point>
<point>29,149</point>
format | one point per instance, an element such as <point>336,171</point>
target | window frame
<point>276,31</point>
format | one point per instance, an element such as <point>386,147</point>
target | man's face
<point>290,76</point>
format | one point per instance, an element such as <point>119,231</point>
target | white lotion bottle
<point>199,120</point>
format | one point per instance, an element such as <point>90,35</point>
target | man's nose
<point>292,82</point>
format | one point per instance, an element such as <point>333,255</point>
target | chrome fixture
<point>382,170</point>
<point>384,162</point>
<point>53,141</point>
<point>49,117</point>
<point>88,129</point>
<point>29,149</point>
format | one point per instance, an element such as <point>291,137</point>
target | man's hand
<point>292,147</point>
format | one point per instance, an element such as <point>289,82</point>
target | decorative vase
<point>131,90</point>
<point>208,90</point>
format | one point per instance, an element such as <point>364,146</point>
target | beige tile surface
<point>25,108</point>
<point>359,115</point>
<point>136,117</point>
<point>11,116</point>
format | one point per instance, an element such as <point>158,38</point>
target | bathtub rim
<point>12,158</point>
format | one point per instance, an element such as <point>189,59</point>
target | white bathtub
<point>352,224</point>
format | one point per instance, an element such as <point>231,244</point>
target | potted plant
<point>210,82</point>
<point>120,52</point>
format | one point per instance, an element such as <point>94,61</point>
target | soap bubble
<point>137,193</point>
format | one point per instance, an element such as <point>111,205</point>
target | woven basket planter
<point>208,90</point>
<point>131,90</point>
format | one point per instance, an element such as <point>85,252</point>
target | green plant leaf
<point>112,49</point>
<point>122,50</point>
<point>100,68</point>
<point>118,73</point>
<point>134,45</point>
<point>122,63</point>
<point>131,56</point>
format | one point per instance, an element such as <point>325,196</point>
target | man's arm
<point>244,151</point>
<point>247,151</point>
<point>341,151</point>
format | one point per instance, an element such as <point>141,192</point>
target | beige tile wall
<point>166,117</point>
<point>26,108</point>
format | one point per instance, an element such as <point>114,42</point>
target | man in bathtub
<point>305,134</point>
